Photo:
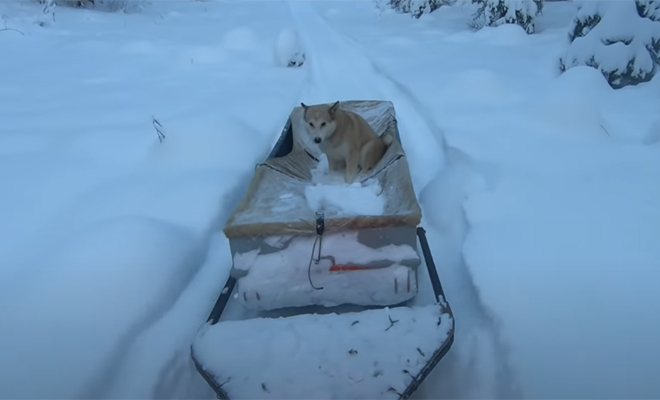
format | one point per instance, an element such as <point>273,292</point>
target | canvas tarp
<point>275,203</point>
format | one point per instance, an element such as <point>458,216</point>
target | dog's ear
<point>333,108</point>
<point>304,106</point>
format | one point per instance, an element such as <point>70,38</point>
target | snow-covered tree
<point>110,5</point>
<point>619,38</point>
<point>71,3</point>
<point>498,12</point>
<point>417,8</point>
<point>649,9</point>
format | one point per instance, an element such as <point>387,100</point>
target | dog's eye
<point>311,124</point>
<point>322,124</point>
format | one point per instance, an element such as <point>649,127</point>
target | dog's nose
<point>317,140</point>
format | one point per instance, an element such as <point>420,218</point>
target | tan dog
<point>345,138</point>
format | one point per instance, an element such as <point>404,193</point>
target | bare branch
<point>160,131</point>
<point>9,29</point>
<point>12,29</point>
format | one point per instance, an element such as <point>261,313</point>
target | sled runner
<point>329,273</point>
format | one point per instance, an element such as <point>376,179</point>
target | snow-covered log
<point>619,38</point>
<point>498,12</point>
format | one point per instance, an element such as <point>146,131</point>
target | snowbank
<point>105,229</point>
<point>572,247</point>
<point>89,300</point>
<point>161,353</point>
<point>561,233</point>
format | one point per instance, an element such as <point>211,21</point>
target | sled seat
<point>381,353</point>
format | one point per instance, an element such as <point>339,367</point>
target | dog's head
<point>320,121</point>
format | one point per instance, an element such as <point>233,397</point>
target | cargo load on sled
<point>329,274</point>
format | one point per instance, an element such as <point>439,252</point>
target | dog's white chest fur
<point>338,152</point>
<point>337,155</point>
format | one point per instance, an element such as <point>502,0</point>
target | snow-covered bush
<point>619,38</point>
<point>417,8</point>
<point>108,5</point>
<point>498,12</point>
<point>47,15</point>
<point>287,50</point>
<point>649,9</point>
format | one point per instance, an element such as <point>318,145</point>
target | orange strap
<point>345,267</point>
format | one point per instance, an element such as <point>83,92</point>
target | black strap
<point>320,228</point>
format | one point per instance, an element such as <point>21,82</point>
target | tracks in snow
<point>340,70</point>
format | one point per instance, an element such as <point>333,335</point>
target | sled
<point>327,274</point>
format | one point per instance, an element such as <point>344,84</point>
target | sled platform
<point>381,353</point>
<point>372,354</point>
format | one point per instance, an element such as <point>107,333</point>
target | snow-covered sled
<point>329,272</point>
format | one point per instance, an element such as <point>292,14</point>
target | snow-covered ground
<point>540,193</point>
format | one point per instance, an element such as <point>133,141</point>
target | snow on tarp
<point>283,196</point>
<point>280,279</point>
<point>370,354</point>
<point>331,195</point>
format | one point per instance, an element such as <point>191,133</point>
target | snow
<point>75,299</point>
<point>105,230</point>
<point>330,195</point>
<point>539,194</point>
<point>653,135</point>
<point>593,224</point>
<point>354,199</point>
<point>348,356</point>
<point>281,279</point>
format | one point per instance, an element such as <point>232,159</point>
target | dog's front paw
<point>349,178</point>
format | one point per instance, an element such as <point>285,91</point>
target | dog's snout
<point>317,140</point>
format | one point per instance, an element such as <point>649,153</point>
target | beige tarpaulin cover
<point>275,202</point>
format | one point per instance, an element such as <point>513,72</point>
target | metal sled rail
<point>439,353</point>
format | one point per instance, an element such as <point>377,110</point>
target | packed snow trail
<point>476,366</point>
